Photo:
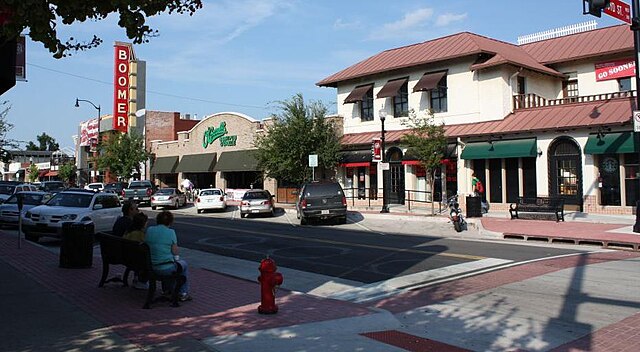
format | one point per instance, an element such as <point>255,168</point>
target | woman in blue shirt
<point>163,245</point>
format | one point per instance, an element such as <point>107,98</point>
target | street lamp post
<point>385,173</point>
<point>95,165</point>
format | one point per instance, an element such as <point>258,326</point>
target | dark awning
<point>392,88</point>
<point>450,152</point>
<point>358,94</point>
<point>429,81</point>
<point>356,158</point>
<point>239,160</point>
<point>164,165</point>
<point>613,143</point>
<point>197,163</point>
<point>517,148</point>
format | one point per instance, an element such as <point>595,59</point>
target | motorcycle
<point>455,214</point>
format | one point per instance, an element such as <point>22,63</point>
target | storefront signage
<point>615,69</point>
<point>121,88</point>
<point>213,133</point>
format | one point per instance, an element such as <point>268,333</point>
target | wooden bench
<point>551,205</point>
<point>136,257</point>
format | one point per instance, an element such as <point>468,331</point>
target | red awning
<point>410,162</point>
<point>363,164</point>
<point>51,174</point>
<point>41,173</point>
<point>392,88</point>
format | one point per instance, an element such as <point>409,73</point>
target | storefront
<point>216,152</point>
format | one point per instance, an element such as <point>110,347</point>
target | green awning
<point>516,148</point>
<point>197,163</point>
<point>613,143</point>
<point>239,160</point>
<point>164,165</point>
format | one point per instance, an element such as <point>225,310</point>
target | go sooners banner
<point>615,69</point>
<point>121,88</point>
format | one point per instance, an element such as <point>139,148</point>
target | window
<point>609,181</point>
<point>366,107</point>
<point>439,96</point>
<point>495,180</point>
<point>631,174</point>
<point>570,88</point>
<point>521,85</point>
<point>401,102</point>
<point>624,84</point>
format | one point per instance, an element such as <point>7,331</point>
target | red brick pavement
<point>623,336</point>
<point>411,342</point>
<point>222,305</point>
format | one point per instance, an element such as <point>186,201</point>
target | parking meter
<point>20,206</point>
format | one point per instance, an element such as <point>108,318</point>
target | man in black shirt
<point>121,226</point>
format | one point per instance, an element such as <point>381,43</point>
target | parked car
<point>139,191</point>
<point>168,197</point>
<point>115,187</point>
<point>210,198</point>
<point>78,206</point>
<point>52,186</point>
<point>257,201</point>
<point>9,209</point>
<point>8,189</point>
<point>321,200</point>
<point>95,186</point>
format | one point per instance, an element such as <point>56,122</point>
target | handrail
<point>532,100</point>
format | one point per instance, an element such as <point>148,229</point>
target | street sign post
<point>619,9</point>
<point>313,163</point>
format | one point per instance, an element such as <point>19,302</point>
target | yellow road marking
<point>318,240</point>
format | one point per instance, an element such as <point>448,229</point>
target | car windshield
<point>113,186</point>
<point>71,200</point>
<point>139,185</point>
<point>323,190</point>
<point>211,192</point>
<point>256,195</point>
<point>166,191</point>
<point>27,199</point>
<point>7,189</point>
<point>54,186</point>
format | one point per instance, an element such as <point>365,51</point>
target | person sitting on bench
<point>136,233</point>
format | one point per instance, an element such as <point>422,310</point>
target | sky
<point>246,55</point>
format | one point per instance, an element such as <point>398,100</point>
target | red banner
<point>376,149</point>
<point>615,69</point>
<point>121,88</point>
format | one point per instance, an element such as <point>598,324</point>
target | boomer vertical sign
<point>121,87</point>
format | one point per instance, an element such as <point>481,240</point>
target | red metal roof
<point>598,113</point>
<point>441,49</point>
<point>603,41</point>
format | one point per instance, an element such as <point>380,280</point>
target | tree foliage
<point>67,171</point>
<point>298,131</point>
<point>33,173</point>
<point>45,142</point>
<point>426,142</point>
<point>6,144</point>
<point>121,154</point>
<point>43,18</point>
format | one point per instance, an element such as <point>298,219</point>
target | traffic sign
<point>619,9</point>
<point>313,160</point>
<point>636,121</point>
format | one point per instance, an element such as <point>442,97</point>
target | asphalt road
<point>364,250</point>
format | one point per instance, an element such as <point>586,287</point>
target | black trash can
<point>76,250</point>
<point>474,207</point>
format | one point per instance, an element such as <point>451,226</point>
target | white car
<point>9,209</point>
<point>96,186</point>
<point>78,206</point>
<point>210,198</point>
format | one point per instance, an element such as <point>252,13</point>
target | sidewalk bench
<point>136,257</point>
<point>552,205</point>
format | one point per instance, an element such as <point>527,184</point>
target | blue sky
<point>244,55</point>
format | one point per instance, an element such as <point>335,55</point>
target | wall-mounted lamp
<point>602,131</point>
<point>595,113</point>
<point>539,151</point>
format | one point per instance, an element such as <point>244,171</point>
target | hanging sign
<point>636,121</point>
<point>121,88</point>
<point>615,69</point>
<point>376,149</point>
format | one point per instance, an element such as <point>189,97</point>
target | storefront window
<point>631,174</point>
<point>373,182</point>
<point>495,180</point>
<point>513,180</point>
<point>609,181</point>
<point>529,187</point>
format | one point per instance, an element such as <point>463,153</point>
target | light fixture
<point>539,151</point>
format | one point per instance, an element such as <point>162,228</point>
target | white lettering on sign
<point>615,69</point>
<point>123,54</point>
<point>121,88</point>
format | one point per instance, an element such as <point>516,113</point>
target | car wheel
<point>153,207</point>
<point>303,220</point>
<point>31,237</point>
<point>342,220</point>
<point>199,211</point>
<point>273,212</point>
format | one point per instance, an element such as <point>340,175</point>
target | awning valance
<point>358,94</point>
<point>450,152</point>
<point>613,143</point>
<point>164,165</point>
<point>392,88</point>
<point>516,148</point>
<point>239,160</point>
<point>51,174</point>
<point>197,163</point>
<point>355,158</point>
<point>429,81</point>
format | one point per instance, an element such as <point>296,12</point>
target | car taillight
<point>344,200</point>
<point>303,204</point>
<point>123,193</point>
<point>171,197</point>
<point>266,202</point>
<point>222,199</point>
<point>153,198</point>
<point>198,200</point>
<point>149,191</point>
<point>244,202</point>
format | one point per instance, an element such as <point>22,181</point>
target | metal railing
<point>410,198</point>
<point>531,100</point>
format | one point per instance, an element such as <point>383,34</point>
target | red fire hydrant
<point>268,279</point>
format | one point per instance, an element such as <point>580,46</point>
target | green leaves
<point>122,154</point>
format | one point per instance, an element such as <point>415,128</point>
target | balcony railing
<point>531,100</point>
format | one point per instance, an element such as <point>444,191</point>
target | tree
<point>122,154</point>
<point>45,142</point>
<point>299,130</point>
<point>67,171</point>
<point>33,173</point>
<point>43,17</point>
<point>6,144</point>
<point>426,142</point>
